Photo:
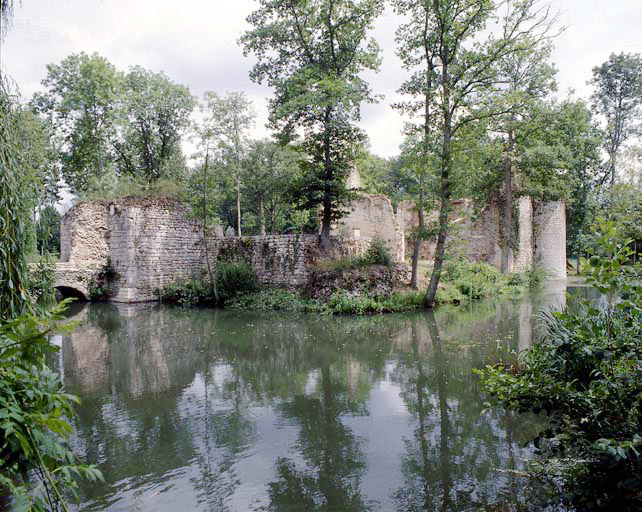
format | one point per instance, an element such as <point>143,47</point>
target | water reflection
<point>210,410</point>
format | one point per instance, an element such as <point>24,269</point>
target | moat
<point>198,409</point>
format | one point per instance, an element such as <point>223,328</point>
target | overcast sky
<point>194,42</point>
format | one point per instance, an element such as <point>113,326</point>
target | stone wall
<point>278,260</point>
<point>540,230</point>
<point>152,243</point>
<point>370,216</point>
<point>549,231</point>
<point>523,260</point>
<point>84,235</point>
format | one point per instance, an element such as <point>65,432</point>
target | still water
<point>207,410</point>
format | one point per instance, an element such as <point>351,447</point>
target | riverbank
<point>371,289</point>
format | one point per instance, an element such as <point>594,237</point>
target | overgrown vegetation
<point>587,377</point>
<point>37,465</point>
<point>464,281</point>
<point>232,278</point>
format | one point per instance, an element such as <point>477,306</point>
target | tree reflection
<point>327,474</point>
<point>449,462</point>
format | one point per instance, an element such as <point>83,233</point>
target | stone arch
<point>73,281</point>
<point>70,292</point>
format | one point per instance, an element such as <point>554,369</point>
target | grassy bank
<point>236,288</point>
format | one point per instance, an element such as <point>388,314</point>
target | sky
<point>195,43</point>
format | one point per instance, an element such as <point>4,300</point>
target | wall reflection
<point>244,411</point>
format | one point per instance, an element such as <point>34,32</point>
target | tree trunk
<point>420,235</point>
<point>507,249</point>
<point>444,195</point>
<point>261,215</point>
<point>238,205</point>
<point>204,225</point>
<point>326,245</point>
<point>326,224</point>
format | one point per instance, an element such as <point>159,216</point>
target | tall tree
<point>230,118</point>
<point>466,67</point>
<point>618,97</point>
<point>269,170</point>
<point>417,49</point>
<point>80,103</point>
<point>559,159</point>
<point>157,112</point>
<point>526,77</point>
<point>311,52</point>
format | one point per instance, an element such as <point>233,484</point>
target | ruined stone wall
<point>84,235</point>
<point>523,260</point>
<point>370,216</point>
<point>278,260</point>
<point>152,243</point>
<point>408,220</point>
<point>549,232</point>
<point>474,233</point>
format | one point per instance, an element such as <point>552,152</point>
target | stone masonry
<point>151,242</point>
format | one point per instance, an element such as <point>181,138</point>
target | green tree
<point>48,230</point>
<point>311,53</point>
<point>465,69</point>
<point>14,297</point>
<point>157,112</point>
<point>418,48</point>
<point>526,77</point>
<point>559,159</point>
<point>618,97</point>
<point>80,103</point>
<point>229,118</point>
<point>269,170</point>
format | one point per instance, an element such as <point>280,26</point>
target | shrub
<point>34,416</point>
<point>188,292</point>
<point>474,281</point>
<point>233,278</point>
<point>340,303</point>
<point>377,253</point>
<point>587,376</point>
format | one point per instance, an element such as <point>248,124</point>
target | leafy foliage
<point>34,417</point>
<point>618,97</point>
<point>233,278</point>
<point>311,53</point>
<point>587,376</point>
<point>13,211</point>
<point>465,281</point>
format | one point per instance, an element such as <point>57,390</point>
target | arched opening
<point>66,292</point>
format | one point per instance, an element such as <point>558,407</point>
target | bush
<point>341,303</point>
<point>587,377</point>
<point>34,416</point>
<point>377,253</point>
<point>465,280</point>
<point>232,278</point>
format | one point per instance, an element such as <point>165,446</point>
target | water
<point>203,410</point>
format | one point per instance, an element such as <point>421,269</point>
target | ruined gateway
<point>151,242</point>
